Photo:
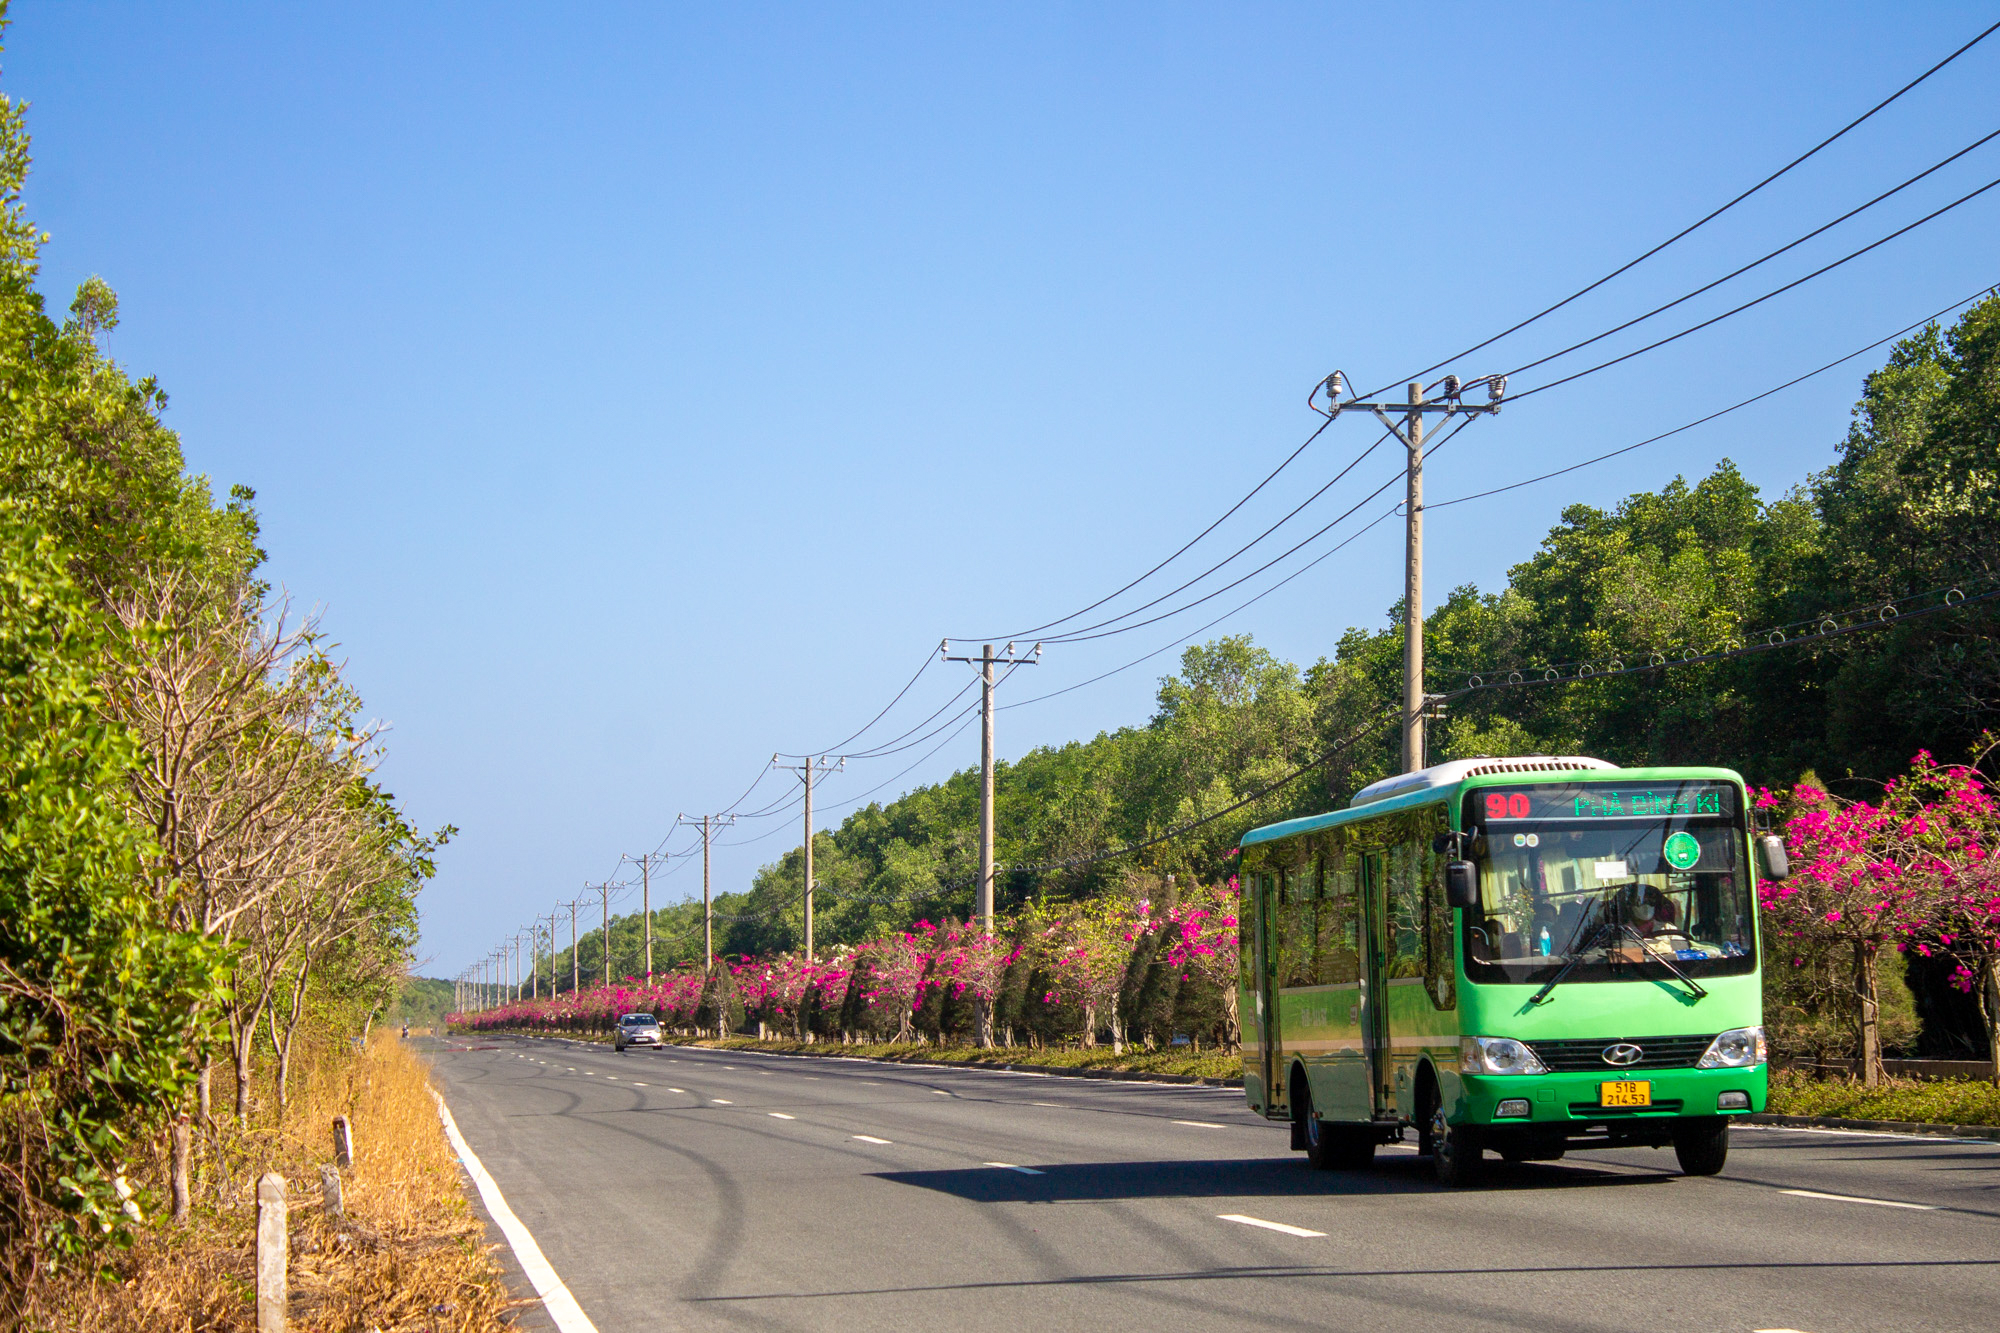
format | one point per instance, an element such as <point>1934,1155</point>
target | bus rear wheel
<point>1702,1145</point>
<point>1457,1152</point>
<point>1331,1147</point>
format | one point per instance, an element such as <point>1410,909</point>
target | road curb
<point>1052,1071</point>
<point>1879,1126</point>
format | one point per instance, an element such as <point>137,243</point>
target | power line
<point>856,800</point>
<point>1700,222</point>
<point>1775,291</point>
<point>889,746</point>
<point>1073,635</point>
<point>1039,629</point>
<point>1269,478</point>
<point>835,748</point>
<point>1755,398</point>
<point>1240,606</point>
<point>1736,273</point>
<point>1307,541</point>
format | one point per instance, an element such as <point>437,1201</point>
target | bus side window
<point>1256,906</point>
<point>1440,960</point>
<point>1295,927</point>
<point>1405,894</point>
<point>1339,922</point>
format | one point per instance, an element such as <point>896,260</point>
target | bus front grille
<point>1577,1057</point>
<point>1592,1111</point>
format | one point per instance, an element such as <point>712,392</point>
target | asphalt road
<point>704,1189</point>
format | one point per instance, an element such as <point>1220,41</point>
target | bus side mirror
<point>1771,851</point>
<point>1461,884</point>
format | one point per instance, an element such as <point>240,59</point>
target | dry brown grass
<point>410,1256</point>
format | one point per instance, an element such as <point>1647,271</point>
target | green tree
<point>99,1002</point>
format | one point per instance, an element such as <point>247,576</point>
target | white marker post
<point>272,1297</point>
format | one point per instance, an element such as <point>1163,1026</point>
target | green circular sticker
<point>1682,851</point>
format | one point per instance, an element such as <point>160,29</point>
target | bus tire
<point>1457,1152</point>
<point>1702,1145</point>
<point>1329,1147</point>
<point>1307,1131</point>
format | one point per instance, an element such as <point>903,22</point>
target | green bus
<point>1526,955</point>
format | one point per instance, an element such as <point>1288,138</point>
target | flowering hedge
<point>1916,872</point>
<point>1054,974</point>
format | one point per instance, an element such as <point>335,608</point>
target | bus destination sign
<point>1604,800</point>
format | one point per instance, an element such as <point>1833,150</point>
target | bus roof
<point>1450,779</point>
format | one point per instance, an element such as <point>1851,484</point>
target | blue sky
<point>643,389</point>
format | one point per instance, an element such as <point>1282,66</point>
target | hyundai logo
<point>1622,1053</point>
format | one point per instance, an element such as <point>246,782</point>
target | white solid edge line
<point>562,1307</point>
<point>1268,1226</point>
<point>1851,1198</point>
<point>1965,1141</point>
<point>1024,1170</point>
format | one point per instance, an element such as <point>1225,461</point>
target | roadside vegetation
<point>407,1254</point>
<point>1945,1101</point>
<point>1146,967</point>
<point>206,900</point>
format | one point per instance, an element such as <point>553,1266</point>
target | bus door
<point>1277,1096</point>
<point>1375,984</point>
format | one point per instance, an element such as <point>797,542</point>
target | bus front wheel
<point>1456,1151</point>
<point>1702,1145</point>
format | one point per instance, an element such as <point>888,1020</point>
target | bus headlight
<point>1738,1048</point>
<point>1497,1055</point>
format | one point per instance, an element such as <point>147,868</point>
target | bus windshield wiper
<point>1665,961</point>
<point>1575,956</point>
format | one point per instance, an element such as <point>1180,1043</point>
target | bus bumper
<point>1570,1109</point>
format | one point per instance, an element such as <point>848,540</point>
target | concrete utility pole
<point>807,771</point>
<point>553,986</point>
<point>1413,585</point>
<point>575,977</point>
<point>1406,422</point>
<point>986,661</point>
<point>645,864</point>
<point>604,901</point>
<point>709,823</point>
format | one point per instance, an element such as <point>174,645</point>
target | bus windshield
<point>1609,877</point>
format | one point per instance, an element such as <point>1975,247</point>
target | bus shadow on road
<point>1236,1178</point>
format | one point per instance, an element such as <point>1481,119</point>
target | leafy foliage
<point>99,1001</point>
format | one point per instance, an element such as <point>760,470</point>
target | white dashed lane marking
<point>1199,1124</point>
<point>1288,1229</point>
<point>1849,1198</point>
<point>870,1138</point>
<point>1024,1170</point>
<point>720,1102</point>
<point>780,1115</point>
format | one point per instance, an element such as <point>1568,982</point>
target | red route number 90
<point>1507,805</point>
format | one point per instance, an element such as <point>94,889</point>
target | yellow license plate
<point>1625,1094</point>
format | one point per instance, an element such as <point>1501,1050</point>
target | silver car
<point>637,1030</point>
